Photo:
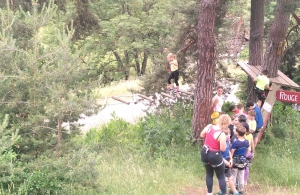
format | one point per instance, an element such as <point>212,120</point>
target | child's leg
<point>246,175</point>
<point>234,172</point>
<point>240,176</point>
<point>176,78</point>
<point>169,80</point>
<point>231,185</point>
<point>255,139</point>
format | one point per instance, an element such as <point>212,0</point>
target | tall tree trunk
<point>127,66</point>
<point>237,41</point>
<point>137,63</point>
<point>276,37</point>
<point>144,63</point>
<point>205,66</point>
<point>59,129</point>
<point>256,41</point>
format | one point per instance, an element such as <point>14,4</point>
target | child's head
<point>242,118</point>
<point>234,119</point>
<point>250,105</point>
<point>251,114</point>
<point>239,106</point>
<point>240,129</point>
<point>232,108</point>
<point>171,57</point>
<point>265,72</point>
<point>246,125</point>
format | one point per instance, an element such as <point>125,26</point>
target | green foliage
<point>11,169</point>
<point>225,107</point>
<point>42,81</point>
<point>244,54</point>
<point>115,132</point>
<point>74,172</point>
<point>280,143</point>
<point>242,94</point>
<point>153,134</point>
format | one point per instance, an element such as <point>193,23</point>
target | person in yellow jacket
<point>262,83</point>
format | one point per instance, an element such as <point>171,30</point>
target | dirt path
<point>250,189</point>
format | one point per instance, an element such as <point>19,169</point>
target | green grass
<point>129,165</point>
<point>124,172</point>
<point>117,88</point>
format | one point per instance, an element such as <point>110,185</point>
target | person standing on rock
<point>174,72</point>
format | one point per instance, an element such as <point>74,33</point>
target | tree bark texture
<point>206,65</point>
<point>144,63</point>
<point>277,35</point>
<point>59,132</point>
<point>256,41</point>
<point>256,33</point>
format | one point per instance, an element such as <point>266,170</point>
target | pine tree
<point>45,84</point>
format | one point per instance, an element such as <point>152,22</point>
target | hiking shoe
<point>219,193</point>
<point>231,193</point>
<point>169,89</point>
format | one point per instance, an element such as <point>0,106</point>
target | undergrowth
<point>157,154</point>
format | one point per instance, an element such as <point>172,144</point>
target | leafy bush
<point>168,128</point>
<point>115,132</point>
<point>225,107</point>
<point>49,175</point>
<point>280,143</point>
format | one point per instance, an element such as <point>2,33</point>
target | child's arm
<point>232,151</point>
<point>268,87</point>
<point>227,163</point>
<point>230,156</point>
<point>166,49</point>
<point>252,146</point>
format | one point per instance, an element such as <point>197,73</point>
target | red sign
<point>288,96</point>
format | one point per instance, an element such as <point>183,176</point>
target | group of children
<point>240,147</point>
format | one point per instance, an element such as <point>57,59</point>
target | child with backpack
<point>239,149</point>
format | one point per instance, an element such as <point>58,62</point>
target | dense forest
<point>56,53</point>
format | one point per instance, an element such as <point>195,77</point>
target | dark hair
<point>246,125</point>
<point>249,104</point>
<point>240,129</point>
<point>242,118</point>
<point>220,87</point>
<point>231,107</point>
<point>265,72</point>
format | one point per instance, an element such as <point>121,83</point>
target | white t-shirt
<point>218,107</point>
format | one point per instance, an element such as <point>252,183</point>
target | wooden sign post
<point>280,95</point>
<point>268,106</point>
